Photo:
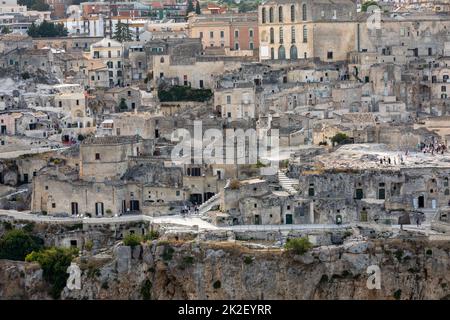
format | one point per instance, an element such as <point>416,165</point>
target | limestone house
<point>110,53</point>
<point>129,123</point>
<point>130,96</point>
<point>373,182</point>
<point>76,119</point>
<point>103,158</point>
<point>237,102</point>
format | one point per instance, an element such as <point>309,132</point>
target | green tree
<point>54,262</point>
<point>16,244</point>
<point>123,105</point>
<point>340,138</point>
<point>190,7</point>
<point>298,245</point>
<point>40,5</point>
<point>47,29</point>
<point>132,240</point>
<point>197,8</point>
<point>122,32</point>
<point>5,30</point>
<point>367,4</point>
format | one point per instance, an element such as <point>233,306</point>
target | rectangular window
<point>211,34</point>
<point>228,99</point>
<point>330,55</point>
<point>250,33</point>
<point>222,34</point>
<point>97,156</point>
<point>236,33</point>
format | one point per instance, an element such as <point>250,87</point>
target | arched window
<point>263,15</point>
<point>293,34</point>
<point>292,13</point>
<point>447,192</point>
<point>305,34</point>
<point>272,53</point>
<point>293,53</point>
<point>304,13</point>
<point>281,53</point>
<point>281,35</point>
<point>280,14</point>
<point>272,36</point>
<point>271,15</point>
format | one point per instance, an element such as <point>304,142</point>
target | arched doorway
<point>421,201</point>
<point>281,53</point>
<point>293,53</point>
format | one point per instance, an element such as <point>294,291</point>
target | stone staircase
<point>207,205</point>
<point>287,183</point>
<point>430,214</point>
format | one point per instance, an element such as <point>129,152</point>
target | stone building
<point>229,30</point>
<point>370,183</point>
<point>236,102</point>
<point>110,52</point>
<point>104,158</point>
<point>300,30</point>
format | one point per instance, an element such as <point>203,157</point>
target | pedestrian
<point>418,221</point>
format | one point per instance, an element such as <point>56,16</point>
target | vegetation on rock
<point>298,245</point>
<point>17,244</point>
<point>54,262</point>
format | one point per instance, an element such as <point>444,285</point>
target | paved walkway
<point>195,220</point>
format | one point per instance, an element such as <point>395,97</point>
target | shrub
<point>88,245</point>
<point>7,225</point>
<point>429,252</point>
<point>152,235</point>
<point>25,75</point>
<point>146,290</point>
<point>184,93</point>
<point>323,279</point>
<point>132,240</point>
<point>105,285</point>
<point>340,138</point>
<point>248,260</point>
<point>234,184</point>
<point>397,294</point>
<point>167,253</point>
<point>54,262</point>
<point>399,255</point>
<point>298,245</point>
<point>29,227</point>
<point>284,163</point>
<point>16,244</point>
<point>217,284</point>
<point>187,261</point>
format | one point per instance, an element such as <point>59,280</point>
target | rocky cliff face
<point>225,270</point>
<point>22,280</point>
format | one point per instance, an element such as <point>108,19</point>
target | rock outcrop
<point>225,270</point>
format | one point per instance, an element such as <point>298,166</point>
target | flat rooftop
<point>368,156</point>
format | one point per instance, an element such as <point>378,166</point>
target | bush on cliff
<point>16,244</point>
<point>132,240</point>
<point>298,245</point>
<point>54,262</point>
